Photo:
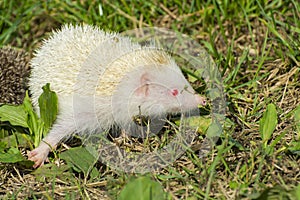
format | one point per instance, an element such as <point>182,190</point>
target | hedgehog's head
<point>154,88</point>
<point>162,90</point>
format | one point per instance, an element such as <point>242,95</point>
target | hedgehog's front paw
<point>39,155</point>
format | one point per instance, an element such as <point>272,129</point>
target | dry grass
<point>268,72</point>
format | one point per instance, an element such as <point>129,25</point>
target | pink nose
<point>200,100</point>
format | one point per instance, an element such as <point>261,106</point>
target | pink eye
<point>174,92</point>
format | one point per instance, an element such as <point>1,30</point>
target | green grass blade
<point>297,120</point>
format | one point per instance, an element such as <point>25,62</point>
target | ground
<point>256,47</point>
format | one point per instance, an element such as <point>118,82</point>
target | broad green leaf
<point>214,93</point>
<point>48,104</point>
<point>142,188</point>
<point>277,192</point>
<point>296,192</point>
<point>39,127</point>
<point>82,159</point>
<point>16,139</point>
<point>193,77</point>
<point>294,147</point>
<point>51,170</point>
<point>268,122</point>
<point>214,130</point>
<point>15,115</point>
<point>13,155</point>
<point>27,103</point>
<point>199,122</point>
<point>35,125</point>
<point>32,119</point>
<point>3,146</point>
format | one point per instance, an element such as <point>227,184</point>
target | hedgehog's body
<point>14,71</point>
<point>103,79</point>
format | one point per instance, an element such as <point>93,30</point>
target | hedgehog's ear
<point>143,89</point>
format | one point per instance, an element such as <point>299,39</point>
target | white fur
<point>98,79</point>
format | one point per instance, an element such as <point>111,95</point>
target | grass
<point>256,47</point>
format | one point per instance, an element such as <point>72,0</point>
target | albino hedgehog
<point>104,79</point>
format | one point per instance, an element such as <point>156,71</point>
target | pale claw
<point>39,155</point>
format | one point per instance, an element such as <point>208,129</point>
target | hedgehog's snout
<point>200,100</point>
